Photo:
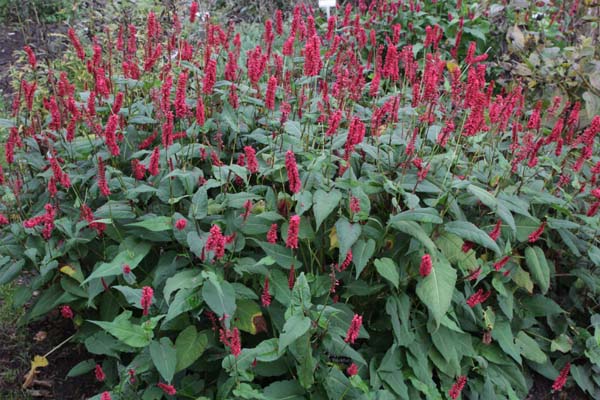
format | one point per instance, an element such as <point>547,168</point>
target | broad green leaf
<point>484,196</point>
<point>127,332</point>
<point>187,279</point>
<point>82,368</point>
<point>285,390</point>
<point>523,279</point>
<point>436,289</point>
<point>324,203</point>
<point>427,215</point>
<point>347,234</point>
<point>387,268</point>
<point>154,224</point>
<point>562,343</point>
<point>529,348</point>
<point>296,326</point>
<point>301,298</point>
<point>164,357</point>
<point>504,336</point>
<point>413,229</point>
<point>199,206</point>
<point>538,267</point>
<point>282,255</point>
<point>470,232</point>
<point>130,253</point>
<point>220,297</point>
<point>362,251</point>
<point>189,346</point>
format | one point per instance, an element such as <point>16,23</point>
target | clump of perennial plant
<point>326,208</point>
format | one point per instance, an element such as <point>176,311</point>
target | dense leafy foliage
<point>323,209</point>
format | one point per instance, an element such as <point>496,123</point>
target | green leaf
<point>285,390</point>
<point>131,253</point>
<point>562,343</point>
<point>504,336</point>
<point>164,357</point>
<point>484,196</point>
<point>538,267</point>
<point>415,230</point>
<point>301,298</point>
<point>154,224</point>
<point>187,279</point>
<point>435,290</point>
<point>189,346</point>
<point>7,274</point>
<point>347,234</point>
<point>82,368</point>
<point>427,215</point>
<point>362,251</point>
<point>470,232</point>
<point>6,123</point>
<point>128,333</point>
<point>324,203</point>
<point>282,255</point>
<point>387,268</point>
<point>199,206</point>
<point>296,326</point>
<point>529,348</point>
<point>220,296</point>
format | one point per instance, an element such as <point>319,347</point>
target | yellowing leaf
<point>333,239</point>
<point>451,66</point>
<point>39,361</point>
<point>68,270</point>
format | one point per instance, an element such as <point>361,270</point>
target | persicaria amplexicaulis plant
<point>341,208</point>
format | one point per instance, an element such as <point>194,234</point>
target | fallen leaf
<point>40,336</point>
<point>38,362</point>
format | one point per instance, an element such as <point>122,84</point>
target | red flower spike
<point>146,300</point>
<point>181,224</point>
<point>354,329</point>
<point>455,390</point>
<point>66,312</point>
<point>270,95</point>
<point>292,172</point>
<point>265,297</point>
<point>535,235</point>
<point>99,373</point>
<point>561,379</point>
<point>216,242</point>
<point>193,11</point>
<point>352,369</point>
<point>426,265</point>
<point>292,236</point>
<point>105,396</point>
<point>30,56</point>
<point>167,389</point>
